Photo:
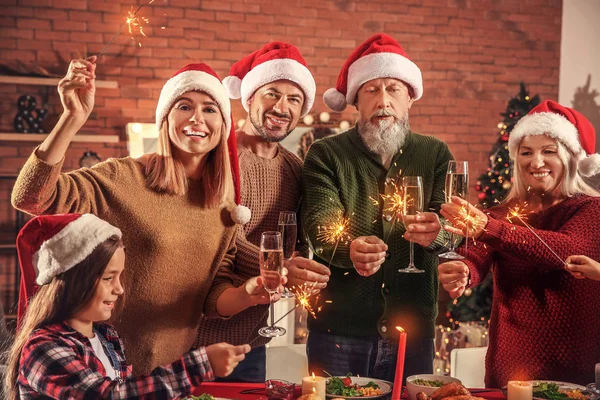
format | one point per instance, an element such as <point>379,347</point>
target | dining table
<point>256,391</point>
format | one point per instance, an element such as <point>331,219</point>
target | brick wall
<point>473,54</point>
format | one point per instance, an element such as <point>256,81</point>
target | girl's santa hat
<point>274,61</point>
<point>200,77</point>
<point>49,245</point>
<point>381,56</point>
<point>568,126</point>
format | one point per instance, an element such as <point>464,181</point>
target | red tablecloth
<point>234,391</point>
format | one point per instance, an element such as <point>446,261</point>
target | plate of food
<point>204,396</point>
<point>555,390</point>
<point>354,387</point>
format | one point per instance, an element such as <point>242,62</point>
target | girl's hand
<point>77,89</point>
<point>466,219</point>
<point>224,357</point>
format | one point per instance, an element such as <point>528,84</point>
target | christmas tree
<point>493,186</point>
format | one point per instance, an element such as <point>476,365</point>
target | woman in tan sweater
<point>174,208</point>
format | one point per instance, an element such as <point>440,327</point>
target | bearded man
<point>355,175</point>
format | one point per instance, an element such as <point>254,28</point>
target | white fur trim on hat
<point>188,81</point>
<point>70,246</point>
<point>241,214</point>
<point>546,123</point>
<point>383,65</point>
<point>274,70</point>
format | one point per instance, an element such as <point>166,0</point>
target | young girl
<point>62,350</point>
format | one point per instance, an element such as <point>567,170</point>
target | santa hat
<point>198,77</point>
<point>380,56</point>
<point>568,126</point>
<point>49,245</point>
<point>273,62</point>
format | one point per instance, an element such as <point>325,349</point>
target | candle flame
<point>314,378</point>
<point>400,329</point>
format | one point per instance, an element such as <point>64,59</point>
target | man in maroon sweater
<point>277,89</point>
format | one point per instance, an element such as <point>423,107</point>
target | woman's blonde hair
<point>60,300</point>
<point>165,173</point>
<point>572,182</point>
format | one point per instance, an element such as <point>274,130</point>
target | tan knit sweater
<point>174,249</point>
<point>268,186</point>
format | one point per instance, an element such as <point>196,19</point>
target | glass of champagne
<point>412,190</point>
<point>457,184</point>
<point>288,228</point>
<point>271,265</point>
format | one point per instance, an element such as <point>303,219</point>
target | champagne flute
<point>271,265</point>
<point>288,228</point>
<point>457,184</point>
<point>412,189</point>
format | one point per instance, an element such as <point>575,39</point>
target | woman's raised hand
<point>78,87</point>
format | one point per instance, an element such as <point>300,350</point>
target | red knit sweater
<point>544,323</point>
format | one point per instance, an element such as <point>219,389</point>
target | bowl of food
<point>426,383</point>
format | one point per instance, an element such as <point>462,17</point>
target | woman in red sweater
<point>543,320</point>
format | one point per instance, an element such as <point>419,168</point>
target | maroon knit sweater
<point>544,323</point>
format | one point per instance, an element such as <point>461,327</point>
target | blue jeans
<point>368,357</point>
<point>252,369</point>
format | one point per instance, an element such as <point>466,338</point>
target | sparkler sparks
<point>393,203</point>
<point>335,233</point>
<point>135,24</point>
<point>518,212</point>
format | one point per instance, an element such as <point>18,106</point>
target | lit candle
<point>519,390</point>
<point>399,365</point>
<point>314,384</point>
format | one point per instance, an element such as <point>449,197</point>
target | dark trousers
<point>252,369</point>
<point>368,357</point>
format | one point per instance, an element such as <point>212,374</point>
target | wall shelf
<point>39,137</point>
<point>36,80</point>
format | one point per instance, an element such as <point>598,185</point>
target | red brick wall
<point>473,54</point>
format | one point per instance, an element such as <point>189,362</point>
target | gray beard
<point>384,138</point>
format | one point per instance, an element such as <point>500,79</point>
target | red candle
<point>399,365</point>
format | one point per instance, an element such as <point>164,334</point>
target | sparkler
<point>134,22</point>
<point>518,212</point>
<point>335,233</point>
<point>393,203</point>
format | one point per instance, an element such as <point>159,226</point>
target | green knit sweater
<point>341,176</point>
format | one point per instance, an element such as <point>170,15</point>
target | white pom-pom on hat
<point>233,86</point>
<point>241,214</point>
<point>590,165</point>
<point>335,100</point>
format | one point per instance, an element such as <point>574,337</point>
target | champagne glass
<point>288,228</point>
<point>412,190</point>
<point>457,184</point>
<point>271,265</point>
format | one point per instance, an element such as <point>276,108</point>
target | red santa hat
<point>273,62</point>
<point>200,77</point>
<point>564,124</point>
<point>49,245</point>
<point>380,56</point>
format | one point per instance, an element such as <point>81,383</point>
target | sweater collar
<point>357,141</point>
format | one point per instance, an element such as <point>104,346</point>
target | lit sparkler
<point>393,203</point>
<point>135,24</point>
<point>519,213</point>
<point>335,233</point>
